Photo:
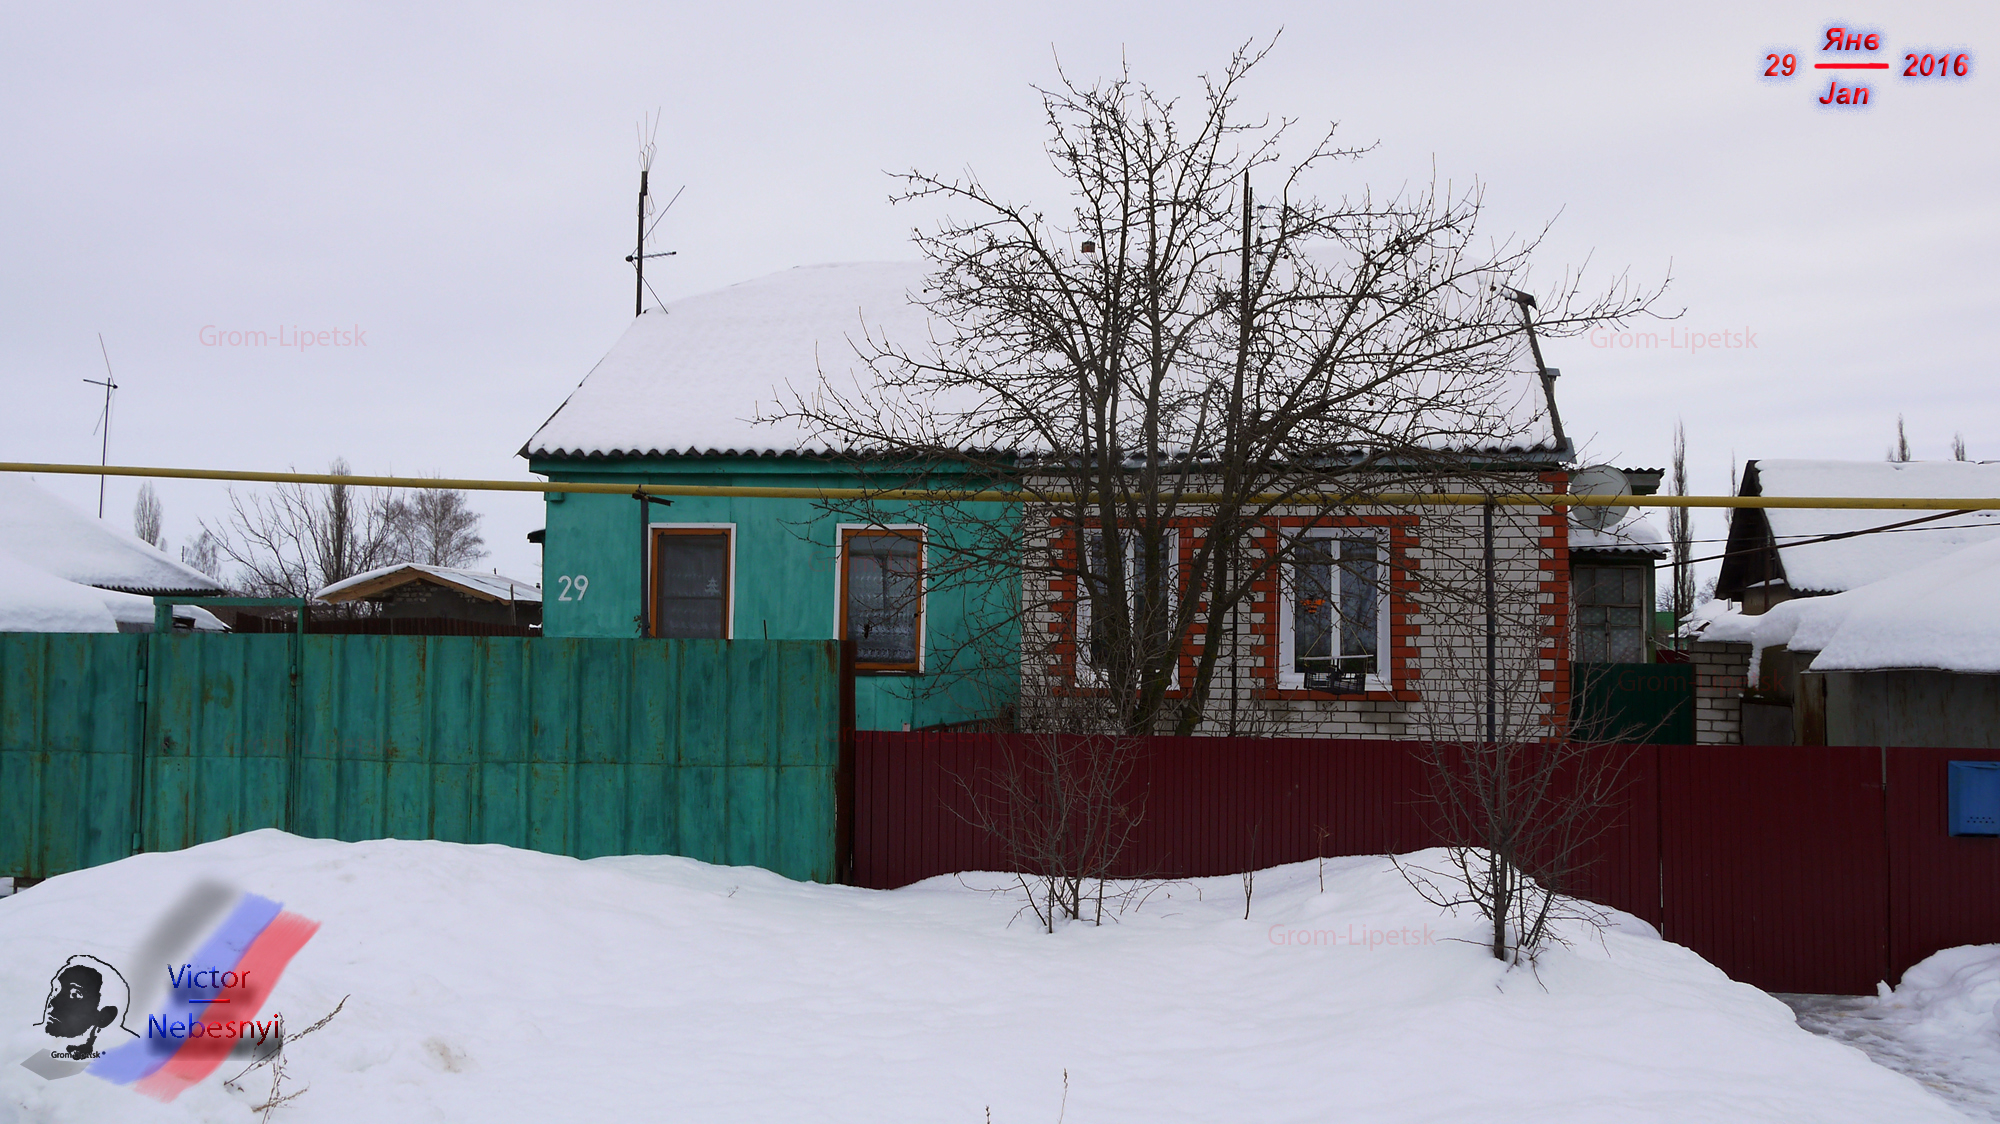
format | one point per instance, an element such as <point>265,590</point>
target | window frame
<point>1382,679</point>
<point>1086,672</point>
<point>654,533</point>
<point>918,531</point>
<point>1643,605</point>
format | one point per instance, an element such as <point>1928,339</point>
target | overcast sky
<point>456,181</point>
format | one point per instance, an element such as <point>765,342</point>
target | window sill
<point>1376,691</point>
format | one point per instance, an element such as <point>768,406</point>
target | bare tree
<point>1521,781</point>
<point>1680,531</point>
<point>204,553</point>
<point>1958,447</point>
<point>1901,450</point>
<point>438,527</point>
<point>1167,365</point>
<point>1058,806</point>
<point>146,517</point>
<point>301,538</point>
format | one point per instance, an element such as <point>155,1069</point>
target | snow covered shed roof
<point>41,530</point>
<point>1634,534</point>
<point>1943,614</point>
<point>1771,544</point>
<point>481,584</point>
<point>34,601</point>
<point>690,379</point>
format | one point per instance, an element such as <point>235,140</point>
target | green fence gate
<point>726,751</point>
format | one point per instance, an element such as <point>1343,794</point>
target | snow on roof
<point>1848,563</point>
<point>1632,534</point>
<point>1943,614</point>
<point>690,379</point>
<point>479,583</point>
<point>34,601</point>
<point>41,530</point>
<point>135,611</point>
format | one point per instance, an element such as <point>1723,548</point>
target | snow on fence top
<point>691,379</point>
<point>1848,563</point>
<point>1943,615</point>
<point>41,530</point>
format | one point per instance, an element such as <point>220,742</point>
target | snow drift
<point>494,984</point>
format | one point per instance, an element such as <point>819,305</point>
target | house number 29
<point>576,585</point>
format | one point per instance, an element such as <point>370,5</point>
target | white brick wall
<point>1437,633</point>
<point>1721,671</point>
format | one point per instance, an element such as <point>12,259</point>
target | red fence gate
<point>1820,869</point>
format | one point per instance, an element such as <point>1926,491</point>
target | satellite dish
<point>1599,480</point>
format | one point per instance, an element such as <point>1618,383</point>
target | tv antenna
<point>647,132</point>
<point>110,383</point>
<point>1549,374</point>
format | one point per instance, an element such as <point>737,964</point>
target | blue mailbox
<point>1975,797</point>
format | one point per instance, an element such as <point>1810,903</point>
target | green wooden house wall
<point>786,579</point>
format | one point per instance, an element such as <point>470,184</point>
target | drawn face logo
<point>86,996</point>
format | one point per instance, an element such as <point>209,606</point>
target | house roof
<point>484,585</point>
<point>1941,614</point>
<point>41,530</point>
<point>691,379</point>
<point>1830,567</point>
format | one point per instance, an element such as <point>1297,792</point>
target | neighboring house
<point>1911,659</point>
<point>1786,567</point>
<point>1341,643</point>
<point>122,573</point>
<point>1775,554</point>
<point>417,593</point>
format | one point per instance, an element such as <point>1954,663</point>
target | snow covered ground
<point>498,985</point>
<point>1939,1026</point>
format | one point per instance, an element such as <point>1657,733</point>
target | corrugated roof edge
<point>1560,453</point>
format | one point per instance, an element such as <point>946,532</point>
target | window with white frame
<point>1149,587</point>
<point>1333,613</point>
<point>691,579</point>
<point>882,597</point>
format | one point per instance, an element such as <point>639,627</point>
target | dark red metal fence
<point>1819,869</point>
<point>1773,863</point>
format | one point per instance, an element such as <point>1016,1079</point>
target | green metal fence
<point>723,751</point>
<point>1639,703</point>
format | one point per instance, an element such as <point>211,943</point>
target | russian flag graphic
<point>213,1001</point>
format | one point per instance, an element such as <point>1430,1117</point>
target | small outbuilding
<point>414,591</point>
<point>63,571</point>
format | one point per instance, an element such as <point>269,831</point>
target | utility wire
<point>1830,538</point>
